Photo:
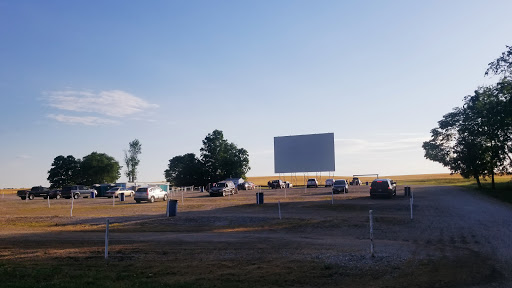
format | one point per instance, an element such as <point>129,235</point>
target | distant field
<point>421,179</point>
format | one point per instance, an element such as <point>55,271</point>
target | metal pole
<point>279,205</point>
<point>371,233</point>
<point>72,200</point>
<point>48,200</point>
<point>410,201</point>
<point>332,197</point>
<point>106,240</point>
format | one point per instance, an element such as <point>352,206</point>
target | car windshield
<point>312,179</point>
<point>142,190</point>
<point>114,189</point>
<point>221,185</point>
<point>339,182</point>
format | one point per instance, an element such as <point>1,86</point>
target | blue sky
<point>84,76</point>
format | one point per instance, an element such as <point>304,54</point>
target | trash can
<point>366,183</point>
<point>259,198</point>
<point>121,197</point>
<point>93,194</point>
<point>172,207</point>
<point>407,191</point>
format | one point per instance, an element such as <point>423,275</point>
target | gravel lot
<point>458,238</point>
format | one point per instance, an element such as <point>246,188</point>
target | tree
<point>223,159</point>
<point>185,170</point>
<point>501,65</point>
<point>219,160</point>
<point>131,159</point>
<point>99,168</point>
<point>65,171</point>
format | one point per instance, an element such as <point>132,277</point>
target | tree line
<point>475,140</point>
<point>219,159</point>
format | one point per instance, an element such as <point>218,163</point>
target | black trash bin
<point>407,191</point>
<point>93,195</point>
<point>121,196</point>
<point>259,198</point>
<point>172,207</point>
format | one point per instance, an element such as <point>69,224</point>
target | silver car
<point>150,194</point>
<point>114,192</point>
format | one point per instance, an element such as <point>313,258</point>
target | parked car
<point>115,191</point>
<point>277,184</point>
<point>246,186</point>
<point>77,191</point>
<point>383,187</point>
<point>223,188</point>
<point>150,194</point>
<point>355,181</point>
<point>312,182</point>
<point>329,182</point>
<point>340,186</point>
<point>38,191</point>
<point>288,184</point>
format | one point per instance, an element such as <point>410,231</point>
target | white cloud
<point>84,120</point>
<point>350,146</point>
<point>23,156</point>
<point>108,104</point>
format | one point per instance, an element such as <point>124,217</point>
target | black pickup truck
<point>38,191</point>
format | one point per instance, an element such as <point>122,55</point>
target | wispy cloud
<point>84,120</point>
<point>348,146</point>
<point>23,156</point>
<point>108,104</point>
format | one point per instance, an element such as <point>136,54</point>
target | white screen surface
<point>304,153</point>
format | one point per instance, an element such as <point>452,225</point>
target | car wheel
<point>45,197</point>
<point>23,197</point>
<point>152,199</point>
<point>138,201</point>
<point>165,197</point>
<point>30,196</point>
<point>76,195</point>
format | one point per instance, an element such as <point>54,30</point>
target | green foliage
<point>185,170</point>
<point>219,160</point>
<point>65,171</point>
<point>131,159</point>
<point>476,139</point>
<point>99,168</point>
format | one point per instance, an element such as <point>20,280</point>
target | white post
<point>285,191</point>
<point>371,233</point>
<point>48,200</point>
<point>72,199</point>
<point>182,196</point>
<point>279,206</point>
<point>106,240</point>
<point>332,197</point>
<point>113,200</point>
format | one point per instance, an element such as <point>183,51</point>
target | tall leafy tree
<point>131,159</point>
<point>219,160</point>
<point>99,168</point>
<point>185,170</point>
<point>223,159</point>
<point>65,171</point>
<point>501,65</point>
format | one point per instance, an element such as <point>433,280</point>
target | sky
<point>83,76</point>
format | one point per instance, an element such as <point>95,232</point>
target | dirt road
<point>457,238</point>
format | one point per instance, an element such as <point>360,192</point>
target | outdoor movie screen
<point>304,153</point>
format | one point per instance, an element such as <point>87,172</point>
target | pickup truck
<point>38,191</point>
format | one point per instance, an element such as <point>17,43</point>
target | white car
<point>329,182</point>
<point>114,192</point>
<point>150,194</point>
<point>312,182</point>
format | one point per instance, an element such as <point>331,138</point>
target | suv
<point>150,194</point>
<point>383,187</point>
<point>329,182</point>
<point>223,188</point>
<point>277,184</point>
<point>76,191</point>
<point>312,182</point>
<point>340,186</point>
<point>355,181</point>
